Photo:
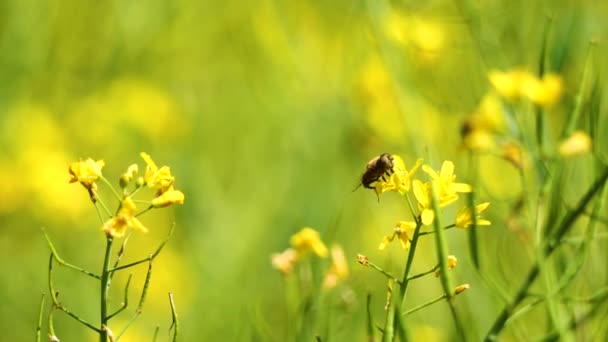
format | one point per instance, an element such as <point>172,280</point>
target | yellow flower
<point>86,172</point>
<point>579,142</point>
<point>422,192</point>
<point>452,260</point>
<point>160,179</point>
<point>520,83</point>
<point>128,176</point>
<point>401,231</point>
<point>308,239</point>
<point>545,92</point>
<point>168,198</point>
<point>464,216</point>
<point>447,190</point>
<point>117,225</point>
<point>338,269</point>
<point>285,261</point>
<point>400,178</point>
<point>446,179</point>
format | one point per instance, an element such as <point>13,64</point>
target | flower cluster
<point>308,241</point>
<point>88,172</point>
<point>516,84</point>
<point>441,186</point>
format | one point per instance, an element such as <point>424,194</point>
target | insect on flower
<point>376,169</point>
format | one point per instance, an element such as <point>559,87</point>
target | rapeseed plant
<point>115,225</point>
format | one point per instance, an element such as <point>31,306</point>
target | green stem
<point>389,331</point>
<point>61,262</point>
<point>39,326</point>
<point>453,225</point>
<point>422,306</point>
<point>434,269</point>
<point>370,319</point>
<point>442,255</point>
<point>175,323</point>
<point>409,263</point>
<point>388,275</point>
<point>118,197</point>
<point>105,282</point>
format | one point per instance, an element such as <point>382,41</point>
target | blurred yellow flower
<point>464,216</point>
<point>509,83</point>
<point>117,225</point>
<point>579,142</point>
<point>160,179</point>
<point>544,92</point>
<point>400,179</point>
<point>86,172</point>
<point>308,239</point>
<point>519,83</point>
<point>338,269</point>
<point>167,198</point>
<point>425,38</point>
<point>400,231</point>
<point>284,262</point>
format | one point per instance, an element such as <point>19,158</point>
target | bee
<point>376,169</point>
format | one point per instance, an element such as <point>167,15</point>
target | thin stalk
<point>125,302</point>
<point>453,225</point>
<point>434,269</point>
<point>39,325</point>
<point>155,336</point>
<point>578,100</point>
<point>388,275</point>
<point>59,306</point>
<point>149,258</point>
<point>118,197</point>
<point>62,262</point>
<point>422,306</point>
<point>105,284</point>
<point>175,320</point>
<point>140,306</point>
<point>389,331</point>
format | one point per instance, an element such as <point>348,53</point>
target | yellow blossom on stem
<point>86,172</point>
<point>446,179</point>
<point>308,239</point>
<point>168,198</point>
<point>400,178</point>
<point>464,216</point>
<point>124,219</point>
<point>338,269</point>
<point>157,178</point>
<point>128,176</point>
<point>452,261</point>
<point>284,262</point>
<point>400,231</point>
<point>447,190</point>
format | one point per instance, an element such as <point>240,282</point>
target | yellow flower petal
<point>168,198</point>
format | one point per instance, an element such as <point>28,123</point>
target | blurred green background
<point>266,112</point>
